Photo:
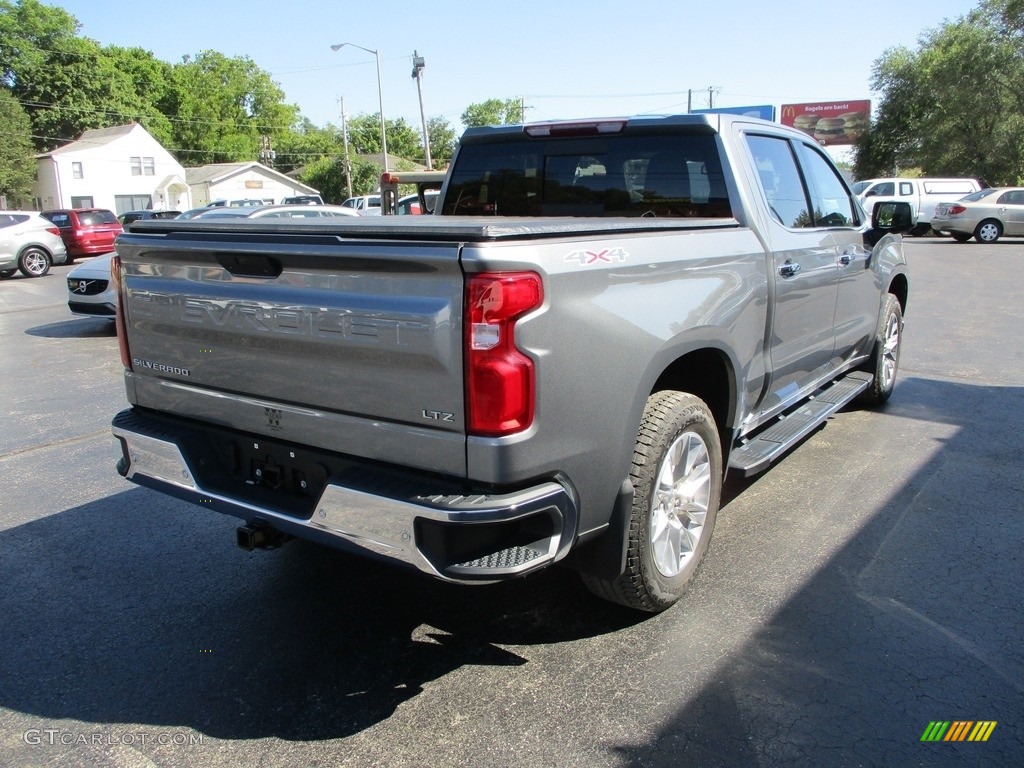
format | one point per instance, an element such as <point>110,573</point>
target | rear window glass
<point>632,174</point>
<point>979,195</point>
<point>62,220</point>
<point>10,219</point>
<point>92,218</point>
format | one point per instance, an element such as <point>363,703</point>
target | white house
<point>242,181</point>
<point>121,168</point>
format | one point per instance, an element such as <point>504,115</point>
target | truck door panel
<point>804,271</point>
<point>856,308</point>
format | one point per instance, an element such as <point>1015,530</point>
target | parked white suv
<point>30,243</point>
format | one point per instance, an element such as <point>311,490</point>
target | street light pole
<point>417,72</point>
<point>380,96</point>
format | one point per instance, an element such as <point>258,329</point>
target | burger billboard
<point>829,122</point>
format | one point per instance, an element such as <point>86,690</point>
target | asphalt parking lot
<point>865,587</point>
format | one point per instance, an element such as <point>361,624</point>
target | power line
<point>157,113</point>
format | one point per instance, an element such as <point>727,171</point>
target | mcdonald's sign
<point>829,122</point>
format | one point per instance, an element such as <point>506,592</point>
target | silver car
<point>90,290</point>
<point>30,243</point>
<point>985,215</point>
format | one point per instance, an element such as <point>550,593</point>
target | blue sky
<point>565,58</point>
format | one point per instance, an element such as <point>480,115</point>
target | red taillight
<point>53,231</point>
<point>116,279</point>
<point>956,209</point>
<point>499,377</point>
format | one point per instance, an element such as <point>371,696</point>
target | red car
<point>86,231</point>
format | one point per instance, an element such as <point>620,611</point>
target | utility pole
<point>689,100</point>
<point>417,73</point>
<point>522,109</point>
<point>344,138</point>
<point>712,90</point>
<point>267,153</point>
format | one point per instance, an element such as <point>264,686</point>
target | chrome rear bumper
<point>458,537</point>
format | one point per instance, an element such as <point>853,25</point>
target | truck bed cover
<point>449,228</point>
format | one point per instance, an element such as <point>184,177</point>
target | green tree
<point>493,112</point>
<point>144,86</point>
<point>955,105</point>
<point>222,107</point>
<point>68,83</point>
<point>306,143</point>
<point>326,174</point>
<point>443,138</point>
<point>17,161</point>
<point>48,68</point>
<point>403,139</point>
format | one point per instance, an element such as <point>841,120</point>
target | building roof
<point>219,171</point>
<point>94,137</point>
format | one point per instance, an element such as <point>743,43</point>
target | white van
<point>922,194</point>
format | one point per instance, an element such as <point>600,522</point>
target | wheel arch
<point>708,373</point>
<point>899,287</point>
<point>37,246</point>
<point>706,369</point>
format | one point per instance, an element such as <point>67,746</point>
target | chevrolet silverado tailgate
<point>300,333</point>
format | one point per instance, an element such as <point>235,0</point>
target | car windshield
<point>860,186</point>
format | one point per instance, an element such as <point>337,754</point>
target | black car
<point>129,216</point>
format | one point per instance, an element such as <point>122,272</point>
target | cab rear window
<point>630,174</point>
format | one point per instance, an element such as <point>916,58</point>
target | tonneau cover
<point>446,228</point>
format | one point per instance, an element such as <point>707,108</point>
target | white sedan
<point>90,290</point>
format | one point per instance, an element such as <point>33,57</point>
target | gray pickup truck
<point>560,366</point>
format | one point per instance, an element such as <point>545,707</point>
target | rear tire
<point>677,488</point>
<point>988,231</point>
<point>885,361</point>
<point>34,262</point>
<point>6,273</point>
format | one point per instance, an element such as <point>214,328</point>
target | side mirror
<point>871,192</point>
<point>889,218</point>
<point>893,217</point>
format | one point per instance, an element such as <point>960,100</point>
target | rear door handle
<point>789,269</point>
